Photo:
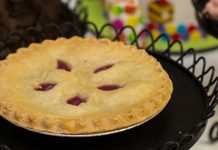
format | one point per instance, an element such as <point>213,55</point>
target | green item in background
<point>117,10</point>
<point>96,13</point>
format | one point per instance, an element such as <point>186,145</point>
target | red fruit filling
<point>76,101</point>
<point>103,68</point>
<point>45,86</point>
<point>109,87</point>
<point>63,65</point>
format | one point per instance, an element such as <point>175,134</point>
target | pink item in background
<point>212,8</point>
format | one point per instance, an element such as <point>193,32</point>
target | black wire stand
<point>213,133</point>
<point>178,126</point>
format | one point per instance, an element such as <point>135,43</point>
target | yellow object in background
<point>171,28</point>
<point>195,35</point>
<point>155,33</point>
<point>132,21</point>
<point>160,11</point>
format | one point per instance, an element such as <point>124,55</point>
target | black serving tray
<point>178,126</point>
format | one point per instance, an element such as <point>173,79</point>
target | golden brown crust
<point>19,105</point>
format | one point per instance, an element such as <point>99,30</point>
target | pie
<point>81,86</point>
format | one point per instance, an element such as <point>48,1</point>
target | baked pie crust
<point>81,86</point>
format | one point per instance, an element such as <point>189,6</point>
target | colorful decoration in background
<point>165,16</point>
<point>125,12</point>
<point>182,32</point>
<point>160,11</point>
<point>159,16</point>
